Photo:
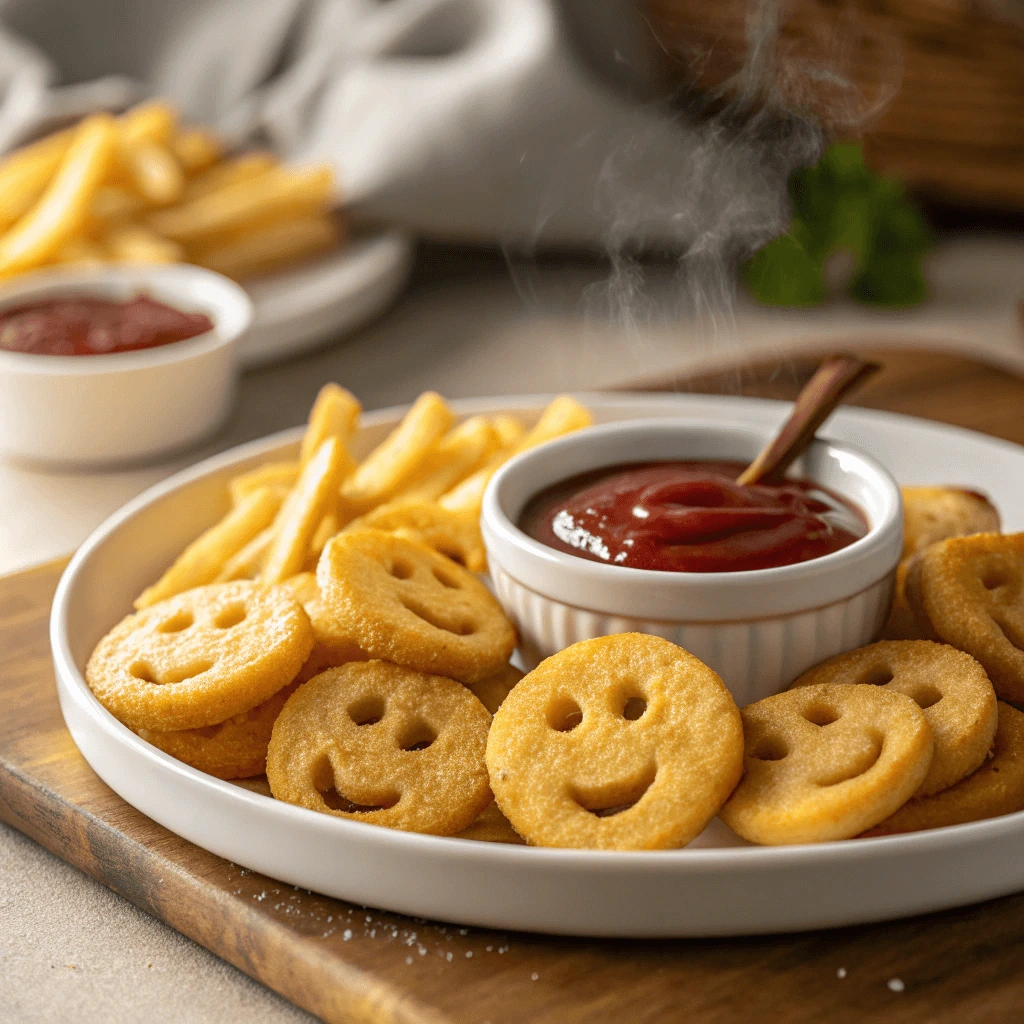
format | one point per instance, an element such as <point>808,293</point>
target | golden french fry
<point>229,172</point>
<point>152,121</point>
<point>154,172</point>
<point>315,496</point>
<point>270,474</point>
<point>204,558</point>
<point>81,252</point>
<point>276,192</point>
<point>64,205</point>
<point>328,527</point>
<point>334,414</point>
<point>247,563</point>
<point>562,416</point>
<point>510,430</point>
<point>269,247</point>
<point>196,149</point>
<point>133,243</point>
<point>393,462</point>
<point>462,450</point>
<point>26,172</point>
<point>112,203</point>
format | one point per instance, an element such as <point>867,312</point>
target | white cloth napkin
<point>502,121</point>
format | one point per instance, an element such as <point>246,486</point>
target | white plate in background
<point>716,886</point>
<point>297,310</point>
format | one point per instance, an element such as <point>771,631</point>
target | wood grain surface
<point>345,963</point>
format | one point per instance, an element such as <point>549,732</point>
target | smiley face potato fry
<point>827,762</point>
<point>235,749</point>
<point>395,461</point>
<point>374,742</point>
<point>949,686</point>
<point>931,514</point>
<point>400,601</point>
<point>994,789</point>
<point>201,657</point>
<point>621,743</point>
<point>969,592</point>
<point>454,534</point>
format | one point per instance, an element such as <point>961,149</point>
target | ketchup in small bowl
<point>690,517</point>
<point>84,325</point>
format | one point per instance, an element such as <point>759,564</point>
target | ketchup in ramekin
<point>81,325</point>
<point>691,517</point>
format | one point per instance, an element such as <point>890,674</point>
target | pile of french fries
<point>426,479</point>
<point>141,188</point>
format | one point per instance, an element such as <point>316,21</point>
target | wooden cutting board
<point>345,963</point>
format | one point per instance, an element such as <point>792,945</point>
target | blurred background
<point>497,196</point>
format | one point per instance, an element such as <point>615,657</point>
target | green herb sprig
<point>840,205</point>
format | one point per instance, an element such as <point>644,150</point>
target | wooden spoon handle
<point>831,382</point>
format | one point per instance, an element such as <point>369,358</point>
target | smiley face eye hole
<point>418,737</point>
<point>400,569</point>
<point>771,748</point>
<point>995,576</point>
<point>230,616</point>
<point>926,696</point>
<point>455,556</point>
<point>564,715</point>
<point>368,710</point>
<point>445,580</point>
<point>634,708</point>
<point>878,677</point>
<point>142,671</point>
<point>818,714</point>
<point>176,623</point>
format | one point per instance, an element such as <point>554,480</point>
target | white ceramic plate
<point>716,886</point>
<point>300,309</point>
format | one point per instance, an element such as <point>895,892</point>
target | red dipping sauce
<point>80,325</point>
<point>690,517</point>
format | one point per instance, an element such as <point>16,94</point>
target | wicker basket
<point>938,85</point>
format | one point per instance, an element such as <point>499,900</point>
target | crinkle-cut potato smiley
<point>201,657</point>
<point>235,749</point>
<point>969,592</point>
<point>624,742</point>
<point>374,742</point>
<point>931,514</point>
<point>996,788</point>
<point>827,762</point>
<point>949,686</point>
<point>401,601</point>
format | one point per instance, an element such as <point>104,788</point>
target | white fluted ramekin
<point>758,629</point>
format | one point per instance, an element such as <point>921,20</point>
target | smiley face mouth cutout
<point>326,785</point>
<point>613,798</point>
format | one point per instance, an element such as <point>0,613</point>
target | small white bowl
<point>758,629</point>
<point>126,406</point>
